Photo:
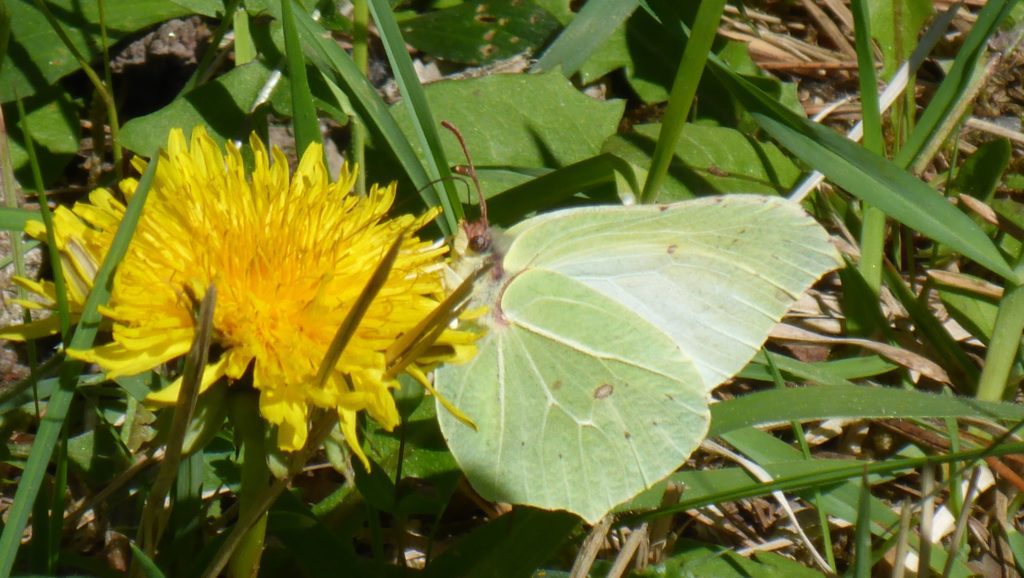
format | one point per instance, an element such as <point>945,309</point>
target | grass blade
<point>549,189</point>
<point>336,64</point>
<point>684,88</point>
<point>957,80</point>
<point>304,120</point>
<point>419,110</point>
<point>873,229</point>
<point>15,219</point>
<point>860,402</point>
<point>155,514</point>
<point>596,21</point>
<point>868,176</point>
<point>862,538</point>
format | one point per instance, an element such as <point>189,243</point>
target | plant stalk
<point>684,88</point>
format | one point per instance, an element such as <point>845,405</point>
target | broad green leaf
<point>36,57</point>
<point>607,328</point>
<point>208,8</point>
<point>710,160</point>
<point>479,32</point>
<point>815,403</point>
<point>97,456</point>
<point>646,51</point>
<point>560,9</point>
<point>424,454</point>
<point>222,105</point>
<point>536,121</point>
<point>53,120</point>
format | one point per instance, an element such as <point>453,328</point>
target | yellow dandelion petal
<point>289,255</point>
<point>169,395</point>
<point>119,361</point>
<point>347,419</point>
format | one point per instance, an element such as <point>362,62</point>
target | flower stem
<point>245,413</point>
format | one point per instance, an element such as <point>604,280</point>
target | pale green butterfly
<point>607,328</point>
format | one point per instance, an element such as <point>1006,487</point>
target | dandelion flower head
<point>289,255</point>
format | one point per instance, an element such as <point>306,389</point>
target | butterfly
<point>607,328</point>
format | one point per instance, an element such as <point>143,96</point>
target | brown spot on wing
<point>604,390</point>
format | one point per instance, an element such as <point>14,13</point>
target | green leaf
<point>36,56</point>
<point>53,119</point>
<point>535,121</point>
<point>149,567</point>
<point>646,50</point>
<point>221,104</point>
<point>710,160</point>
<point>861,402</point>
<point>587,373</point>
<point>480,32</point>
<point>556,186</point>
<point>425,453</point>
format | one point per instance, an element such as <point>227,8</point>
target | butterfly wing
<point>715,274</point>
<point>580,405</point>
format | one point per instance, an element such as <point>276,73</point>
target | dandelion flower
<point>289,256</point>
<point>83,235</point>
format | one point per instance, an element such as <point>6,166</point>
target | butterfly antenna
<point>468,170</point>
